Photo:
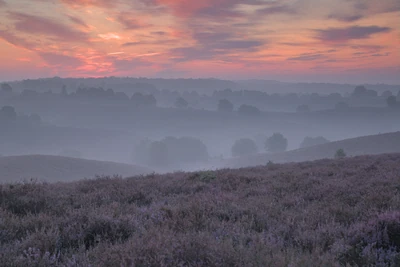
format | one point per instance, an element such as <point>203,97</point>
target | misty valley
<point>150,124</point>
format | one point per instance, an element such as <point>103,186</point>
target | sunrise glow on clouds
<point>304,40</point>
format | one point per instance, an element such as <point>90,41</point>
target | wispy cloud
<point>78,21</point>
<point>45,26</point>
<point>60,60</point>
<point>15,40</point>
<point>307,57</point>
<point>349,33</point>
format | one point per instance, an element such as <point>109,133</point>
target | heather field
<point>325,213</point>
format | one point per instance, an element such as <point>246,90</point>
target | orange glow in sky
<point>294,40</point>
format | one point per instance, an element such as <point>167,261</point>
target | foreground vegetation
<point>324,213</point>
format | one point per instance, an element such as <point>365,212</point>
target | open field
<point>57,169</point>
<point>364,145</point>
<point>322,213</point>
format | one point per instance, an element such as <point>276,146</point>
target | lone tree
<point>340,154</point>
<point>181,103</point>
<point>225,105</point>
<point>244,147</point>
<point>276,143</point>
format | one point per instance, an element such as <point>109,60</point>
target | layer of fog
<point>122,120</point>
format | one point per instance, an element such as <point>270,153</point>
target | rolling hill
<point>365,145</point>
<point>57,168</point>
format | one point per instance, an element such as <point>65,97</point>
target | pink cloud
<point>39,25</point>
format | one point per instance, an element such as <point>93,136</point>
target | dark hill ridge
<point>365,145</point>
<point>61,169</point>
<point>324,213</point>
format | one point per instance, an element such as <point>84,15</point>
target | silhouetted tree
<point>181,103</point>
<point>391,101</point>
<point>186,149</point>
<point>64,92</point>
<point>8,113</point>
<point>243,147</point>
<point>276,143</point>
<point>313,141</point>
<point>5,87</point>
<point>158,154</point>
<point>340,154</point>
<point>248,110</point>
<point>225,105</point>
<point>361,91</point>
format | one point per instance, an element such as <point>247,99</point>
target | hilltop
<point>364,145</point>
<point>60,169</point>
<point>324,213</point>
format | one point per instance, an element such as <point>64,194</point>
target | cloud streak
<point>349,33</point>
<point>44,26</point>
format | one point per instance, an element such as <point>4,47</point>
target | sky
<point>342,41</point>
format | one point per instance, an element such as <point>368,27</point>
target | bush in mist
<point>303,108</point>
<point>340,154</point>
<point>8,113</point>
<point>276,143</point>
<point>386,94</point>
<point>141,100</point>
<point>181,103</point>
<point>225,105</point>
<point>392,102</point>
<point>361,91</point>
<point>248,110</point>
<point>170,151</point>
<point>244,147</point>
<point>159,154</point>
<point>341,106</point>
<point>5,87</point>
<point>186,149</point>
<point>313,141</point>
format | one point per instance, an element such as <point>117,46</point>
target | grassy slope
<point>365,145</point>
<point>56,168</point>
<point>322,213</point>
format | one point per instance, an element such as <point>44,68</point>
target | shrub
<point>276,143</point>
<point>243,147</point>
